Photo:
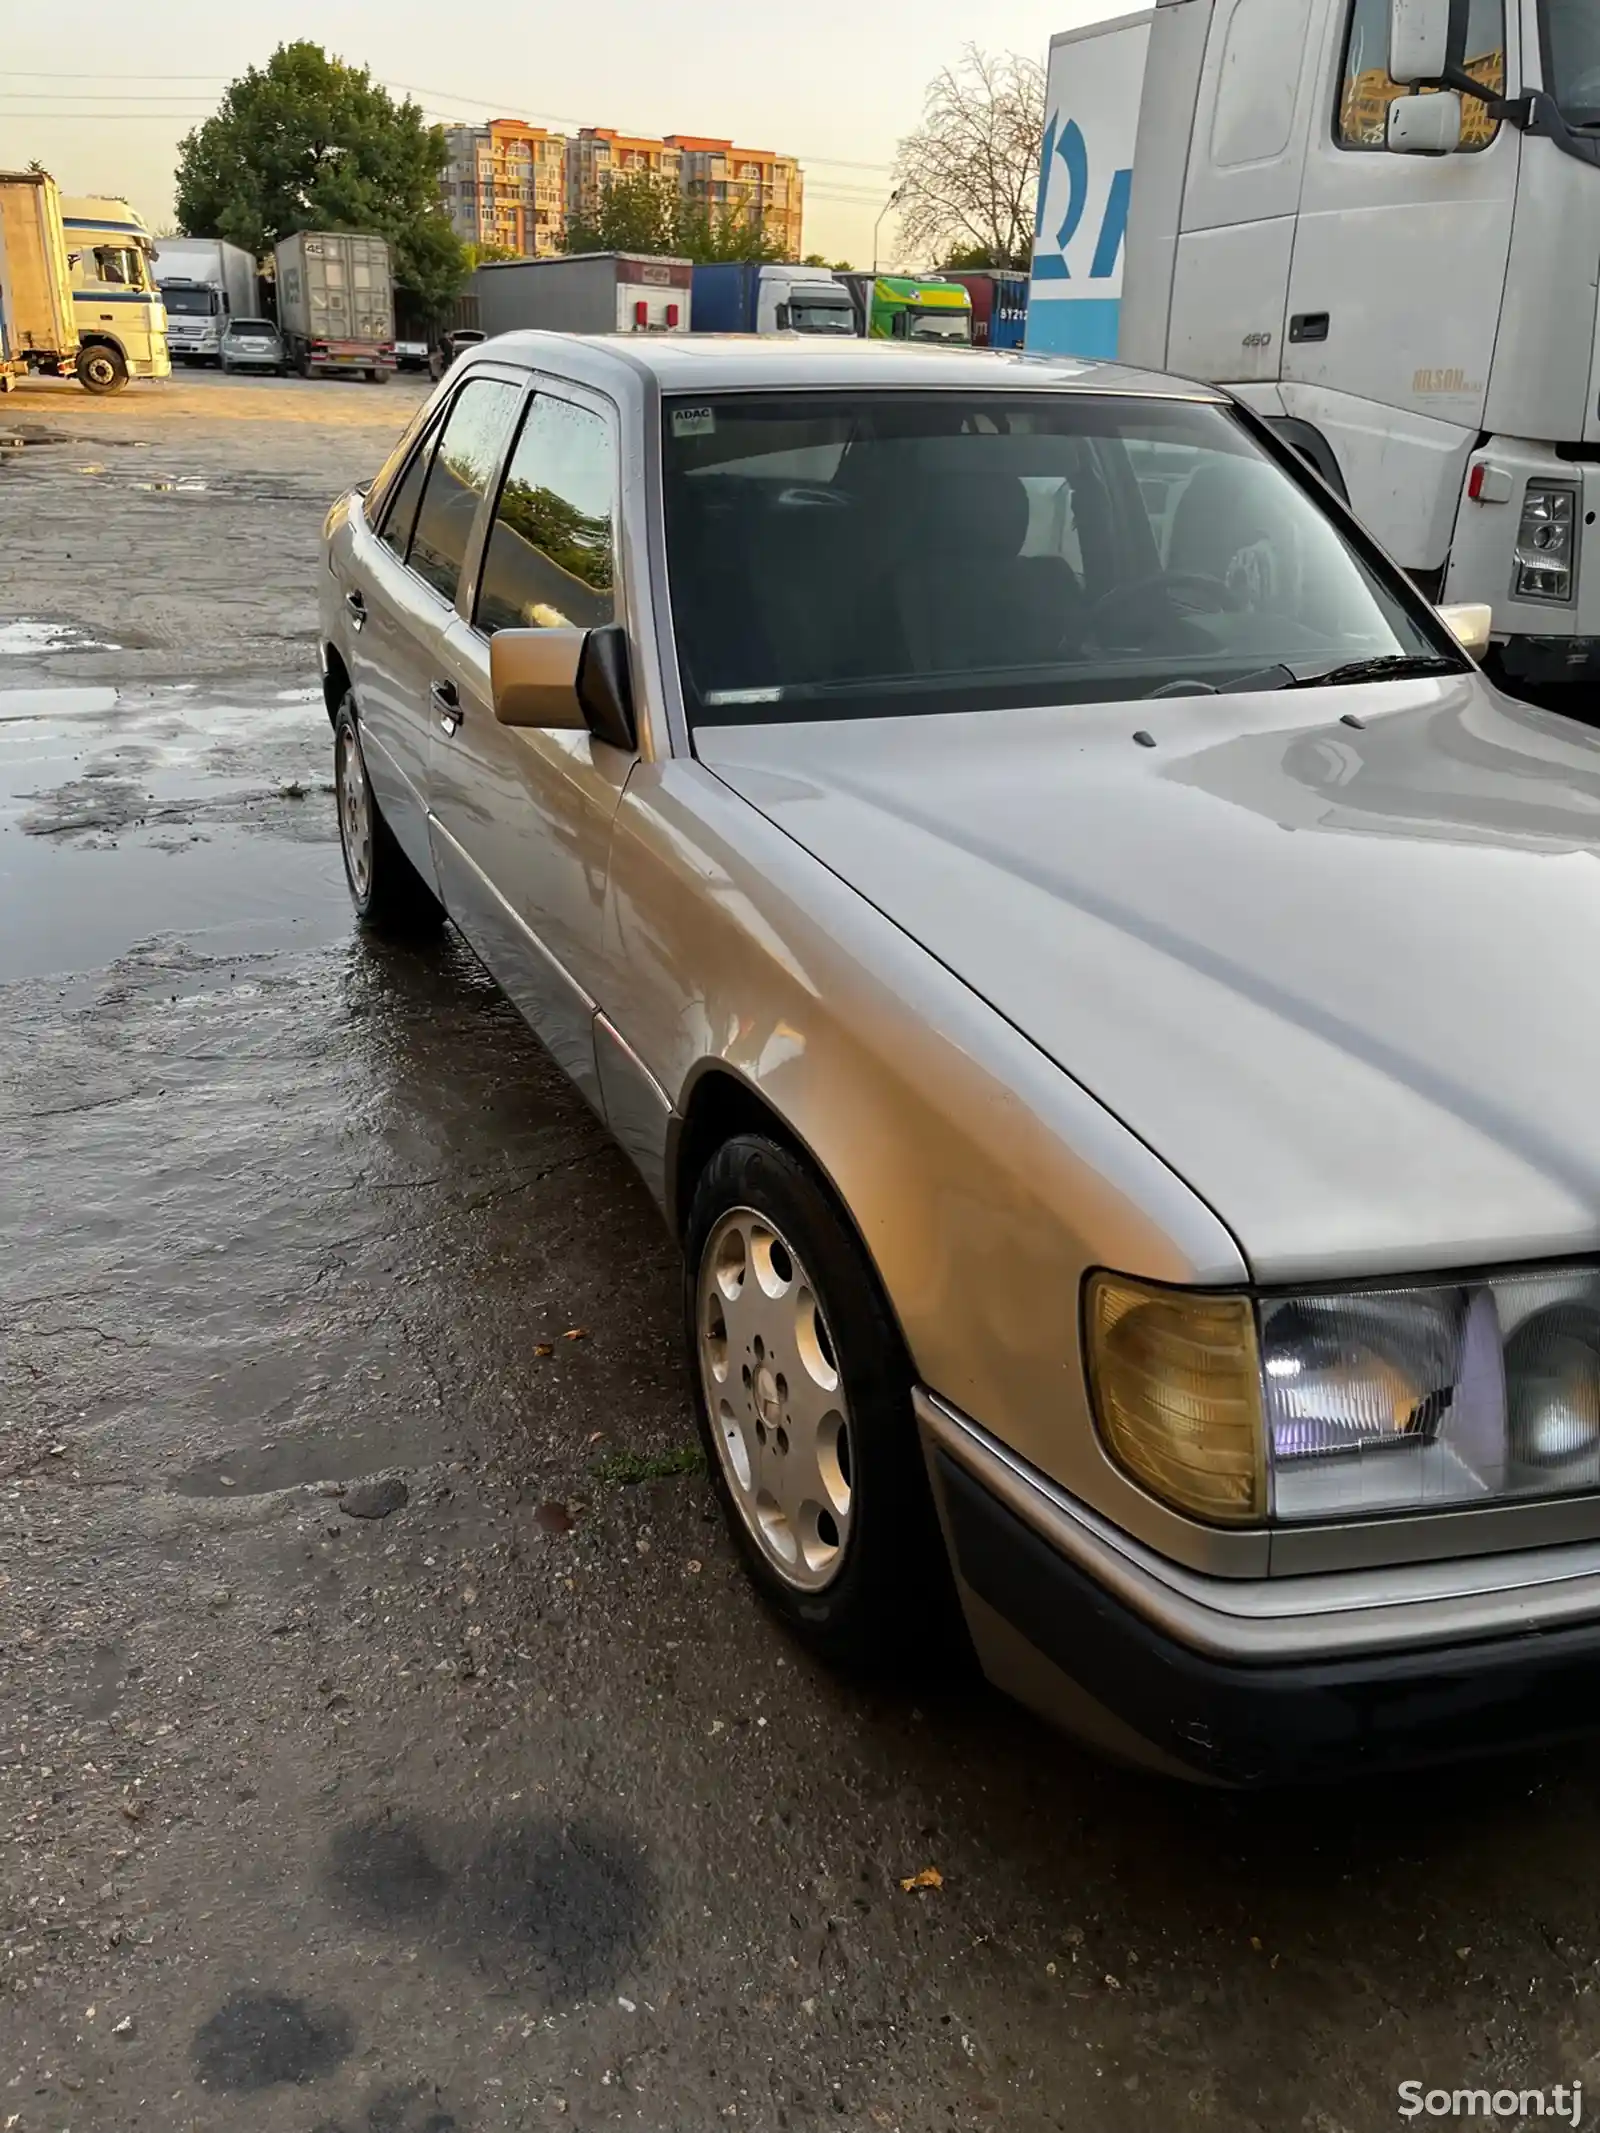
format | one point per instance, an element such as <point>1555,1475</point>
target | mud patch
<point>257,2040</point>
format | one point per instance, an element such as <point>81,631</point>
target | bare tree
<point>968,177</point>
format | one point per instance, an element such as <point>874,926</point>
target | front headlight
<point>1547,542</point>
<point>1358,1401</point>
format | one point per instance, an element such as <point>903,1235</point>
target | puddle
<point>127,816</point>
<point>23,639</point>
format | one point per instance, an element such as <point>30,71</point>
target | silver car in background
<point>253,344</point>
<point>1095,979</point>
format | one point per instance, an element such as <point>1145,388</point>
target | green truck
<point>902,307</point>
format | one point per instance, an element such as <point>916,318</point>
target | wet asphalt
<point>387,1741</point>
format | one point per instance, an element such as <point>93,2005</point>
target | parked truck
<point>38,328</point>
<point>590,292</point>
<point>77,295</point>
<point>204,283</point>
<point>906,307</point>
<point>744,296</point>
<point>999,304</point>
<point>336,304</point>
<point>1377,222</point>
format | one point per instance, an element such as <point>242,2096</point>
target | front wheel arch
<point>722,1105</point>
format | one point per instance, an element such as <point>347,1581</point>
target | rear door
<point>402,600</point>
<point>522,817</point>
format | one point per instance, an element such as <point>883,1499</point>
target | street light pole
<point>878,225</point>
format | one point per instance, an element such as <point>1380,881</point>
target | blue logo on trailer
<point>1086,325</point>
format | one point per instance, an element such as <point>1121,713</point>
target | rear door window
<point>399,513</point>
<point>458,478</point>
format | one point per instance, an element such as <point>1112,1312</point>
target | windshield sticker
<point>694,422</point>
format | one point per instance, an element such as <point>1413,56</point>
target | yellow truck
<point>78,294</point>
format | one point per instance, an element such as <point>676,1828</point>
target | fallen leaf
<point>929,1878</point>
<point>576,1333</point>
<point>695,1567</point>
<point>1255,1943</point>
<point>544,1348</point>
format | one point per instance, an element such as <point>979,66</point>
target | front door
<point>1230,288</point>
<point>406,603</point>
<point>1399,270</point>
<point>521,816</point>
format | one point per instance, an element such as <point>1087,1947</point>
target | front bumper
<point>1253,1692</point>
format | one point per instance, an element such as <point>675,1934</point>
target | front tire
<point>389,894</point>
<point>803,1391</point>
<point>101,369</point>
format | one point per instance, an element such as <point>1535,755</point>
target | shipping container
<point>591,292</point>
<point>336,303</point>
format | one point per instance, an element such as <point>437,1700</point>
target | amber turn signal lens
<point>1176,1381</point>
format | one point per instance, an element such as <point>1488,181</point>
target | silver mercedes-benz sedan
<point>1095,979</point>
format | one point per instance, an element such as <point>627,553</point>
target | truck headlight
<point>1237,1410</point>
<point>1547,542</point>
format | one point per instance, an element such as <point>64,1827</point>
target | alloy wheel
<point>779,1416</point>
<point>355,812</point>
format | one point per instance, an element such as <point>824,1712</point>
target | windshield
<point>939,326</point>
<point>1572,58</point>
<point>869,555</point>
<point>818,315</point>
<point>189,303</point>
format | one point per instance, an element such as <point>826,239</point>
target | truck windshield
<point>1572,59</point>
<point>189,303</point>
<point>817,315</point>
<point>939,326</point>
<point>874,555</point>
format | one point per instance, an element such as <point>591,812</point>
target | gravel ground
<point>387,1742</point>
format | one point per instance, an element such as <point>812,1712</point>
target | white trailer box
<point>1092,99</point>
<point>204,283</point>
<point>590,292</point>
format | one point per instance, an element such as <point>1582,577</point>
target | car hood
<point>1342,978</point>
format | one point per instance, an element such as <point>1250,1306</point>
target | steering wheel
<point>1217,597</point>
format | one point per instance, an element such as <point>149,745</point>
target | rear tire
<point>101,369</point>
<point>389,894</point>
<point>803,1393</point>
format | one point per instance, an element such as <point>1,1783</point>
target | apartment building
<point>506,184</point>
<point>751,182</point>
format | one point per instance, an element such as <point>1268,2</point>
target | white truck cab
<point>121,319</point>
<point>1378,222</point>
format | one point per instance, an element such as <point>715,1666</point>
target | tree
<point>965,258</point>
<point>968,177</point>
<point>489,255</point>
<point>835,266</point>
<point>644,211</point>
<point>636,211</point>
<point>307,142</point>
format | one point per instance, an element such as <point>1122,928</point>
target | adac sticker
<point>694,422</point>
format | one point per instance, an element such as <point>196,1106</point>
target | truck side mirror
<point>1425,125</point>
<point>1470,626</point>
<point>1427,40</point>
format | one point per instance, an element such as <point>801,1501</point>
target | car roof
<point>682,362</point>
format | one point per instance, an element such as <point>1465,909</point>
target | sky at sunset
<point>101,95</point>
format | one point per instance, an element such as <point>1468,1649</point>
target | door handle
<point>1309,326</point>
<point>447,703</point>
<point>356,608</point>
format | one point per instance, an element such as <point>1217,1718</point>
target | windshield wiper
<point>1388,666</point>
<point>1273,677</point>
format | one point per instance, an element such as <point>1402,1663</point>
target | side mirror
<point>1424,44</point>
<point>1470,627</point>
<point>565,681</point>
<point>1425,125</point>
